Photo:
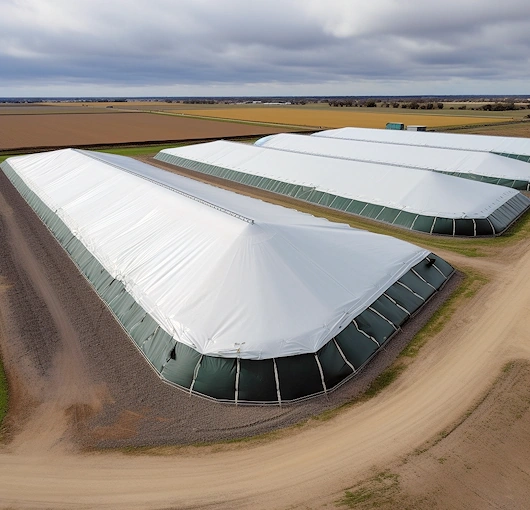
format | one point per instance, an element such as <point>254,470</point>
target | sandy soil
<point>477,462</point>
<point>78,130</point>
<point>306,467</point>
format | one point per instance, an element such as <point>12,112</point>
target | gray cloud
<point>207,46</point>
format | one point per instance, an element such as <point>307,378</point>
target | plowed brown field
<point>335,118</point>
<point>74,130</point>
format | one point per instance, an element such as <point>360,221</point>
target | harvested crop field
<point>78,130</point>
<point>335,118</point>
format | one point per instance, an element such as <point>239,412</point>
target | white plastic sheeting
<point>499,144</point>
<point>225,274</point>
<point>416,191</point>
<point>427,158</point>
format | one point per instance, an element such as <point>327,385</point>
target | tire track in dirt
<point>65,387</point>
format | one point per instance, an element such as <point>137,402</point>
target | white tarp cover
<point>277,283</point>
<point>501,144</point>
<point>428,158</point>
<point>416,191</point>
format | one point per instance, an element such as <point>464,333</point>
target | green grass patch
<point>372,493</point>
<point>383,380</point>
<point>141,150</point>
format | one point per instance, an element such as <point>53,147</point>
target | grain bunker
<point>410,198</point>
<point>226,296</point>
<point>476,165</point>
<point>509,146</point>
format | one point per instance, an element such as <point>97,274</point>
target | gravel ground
<point>134,407</point>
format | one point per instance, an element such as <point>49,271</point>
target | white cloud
<point>287,46</point>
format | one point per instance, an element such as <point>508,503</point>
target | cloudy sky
<point>272,47</point>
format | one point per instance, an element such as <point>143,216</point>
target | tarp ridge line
<point>174,190</point>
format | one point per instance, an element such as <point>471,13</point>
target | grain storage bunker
<point>410,198</point>
<point>477,166</point>
<point>511,147</point>
<point>226,296</point>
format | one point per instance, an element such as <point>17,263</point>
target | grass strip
<point>145,150</point>
<point>373,493</point>
<point>237,121</point>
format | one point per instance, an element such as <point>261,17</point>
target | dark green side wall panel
<point>257,381</point>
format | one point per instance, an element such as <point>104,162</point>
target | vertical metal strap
<point>397,304</point>
<point>401,210</point>
<point>236,395</point>
<point>354,322</point>
<point>378,214</point>
<point>321,373</point>
<point>433,222</point>
<point>277,379</point>
<point>410,290</point>
<point>344,356</point>
<point>195,373</point>
<point>492,227</point>
<point>383,317</point>
<point>423,279</point>
<point>438,269</point>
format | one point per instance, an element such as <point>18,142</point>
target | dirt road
<point>312,466</point>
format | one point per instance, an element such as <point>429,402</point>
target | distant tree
<point>440,106</point>
<point>370,103</point>
<point>395,104</point>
